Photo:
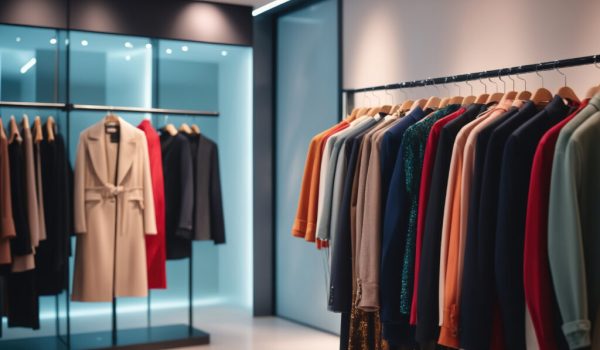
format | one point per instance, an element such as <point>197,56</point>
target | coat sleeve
<point>216,201</point>
<point>80,223</point>
<point>184,226</point>
<point>149,213</point>
<point>565,248</point>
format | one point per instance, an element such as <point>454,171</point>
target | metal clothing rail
<point>529,68</point>
<point>84,107</point>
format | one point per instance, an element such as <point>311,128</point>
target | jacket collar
<point>97,150</point>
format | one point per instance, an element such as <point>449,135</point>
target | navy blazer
<point>468,310</point>
<point>512,209</point>
<point>427,299</point>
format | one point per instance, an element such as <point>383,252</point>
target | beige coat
<point>110,219</point>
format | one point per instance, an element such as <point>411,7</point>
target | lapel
<point>97,150</point>
<point>127,150</point>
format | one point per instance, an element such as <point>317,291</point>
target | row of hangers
<point>194,129</point>
<point>541,96</point>
<point>36,128</point>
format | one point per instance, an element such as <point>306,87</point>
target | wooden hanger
<point>38,135</point>
<point>566,91</point>
<point>419,103</point>
<point>196,129</point>
<point>185,128</point>
<point>482,98</point>
<point>111,118</point>
<point>14,131</point>
<point>542,95</point>
<point>170,129</point>
<point>496,96</point>
<point>458,99</point>
<point>25,121</point>
<point>523,95</point>
<point>50,128</point>
<point>469,100</point>
<point>385,109</point>
<point>406,105</point>
<point>508,95</point>
<point>433,102</point>
<point>444,102</point>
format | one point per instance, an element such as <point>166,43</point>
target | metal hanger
<point>482,98</point>
<point>524,95</point>
<point>508,95</point>
<point>541,95</point>
<point>565,91</point>
<point>433,102</point>
<point>497,96</point>
<point>594,89</point>
<point>471,98</point>
<point>458,99</point>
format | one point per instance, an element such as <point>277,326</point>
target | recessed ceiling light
<point>128,45</point>
<point>127,58</point>
<point>53,41</point>
<point>224,53</point>
<point>148,46</point>
<point>84,42</point>
<point>169,51</point>
<point>184,48</point>
<point>18,39</point>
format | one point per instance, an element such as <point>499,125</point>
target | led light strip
<point>268,7</point>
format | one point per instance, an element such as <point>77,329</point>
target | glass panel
<point>307,95</point>
<point>28,64</point>
<point>110,69</point>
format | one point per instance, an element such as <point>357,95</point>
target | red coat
<point>155,244</point>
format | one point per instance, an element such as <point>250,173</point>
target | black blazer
<point>208,204</point>
<point>512,209</point>
<point>52,255</point>
<point>427,298</point>
<point>179,194</point>
<point>22,299</point>
<point>477,334</point>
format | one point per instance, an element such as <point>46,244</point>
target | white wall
<point>387,41</point>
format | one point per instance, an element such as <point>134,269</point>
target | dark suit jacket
<point>208,223</point>
<point>179,194</point>
<point>512,209</point>
<point>23,307</point>
<point>427,299</point>
<point>469,316</point>
<point>479,334</point>
<point>52,255</point>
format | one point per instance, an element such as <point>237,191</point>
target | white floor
<point>232,328</point>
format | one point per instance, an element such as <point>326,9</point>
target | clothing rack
<point>85,107</point>
<point>144,338</point>
<point>529,68</point>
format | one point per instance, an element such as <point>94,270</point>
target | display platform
<point>128,339</point>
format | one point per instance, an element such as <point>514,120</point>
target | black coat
<point>179,194</point>
<point>427,299</point>
<point>477,312</point>
<point>209,223</point>
<point>512,211</point>
<point>21,295</point>
<point>52,256</point>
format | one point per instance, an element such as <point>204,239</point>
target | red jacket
<point>155,244</point>
<point>539,291</point>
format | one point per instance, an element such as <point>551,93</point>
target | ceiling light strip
<point>268,7</point>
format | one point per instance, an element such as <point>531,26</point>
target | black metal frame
<point>265,125</point>
<point>83,107</point>
<point>529,68</point>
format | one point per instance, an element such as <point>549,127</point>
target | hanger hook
<point>446,87</point>
<point>457,85</point>
<point>403,92</point>
<point>502,80</point>
<point>559,72</point>
<point>494,82</point>
<point>389,94</point>
<point>482,83</point>
<point>366,98</point>
<point>511,78</point>
<point>523,79</point>
<point>469,84</point>
<point>538,74</point>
